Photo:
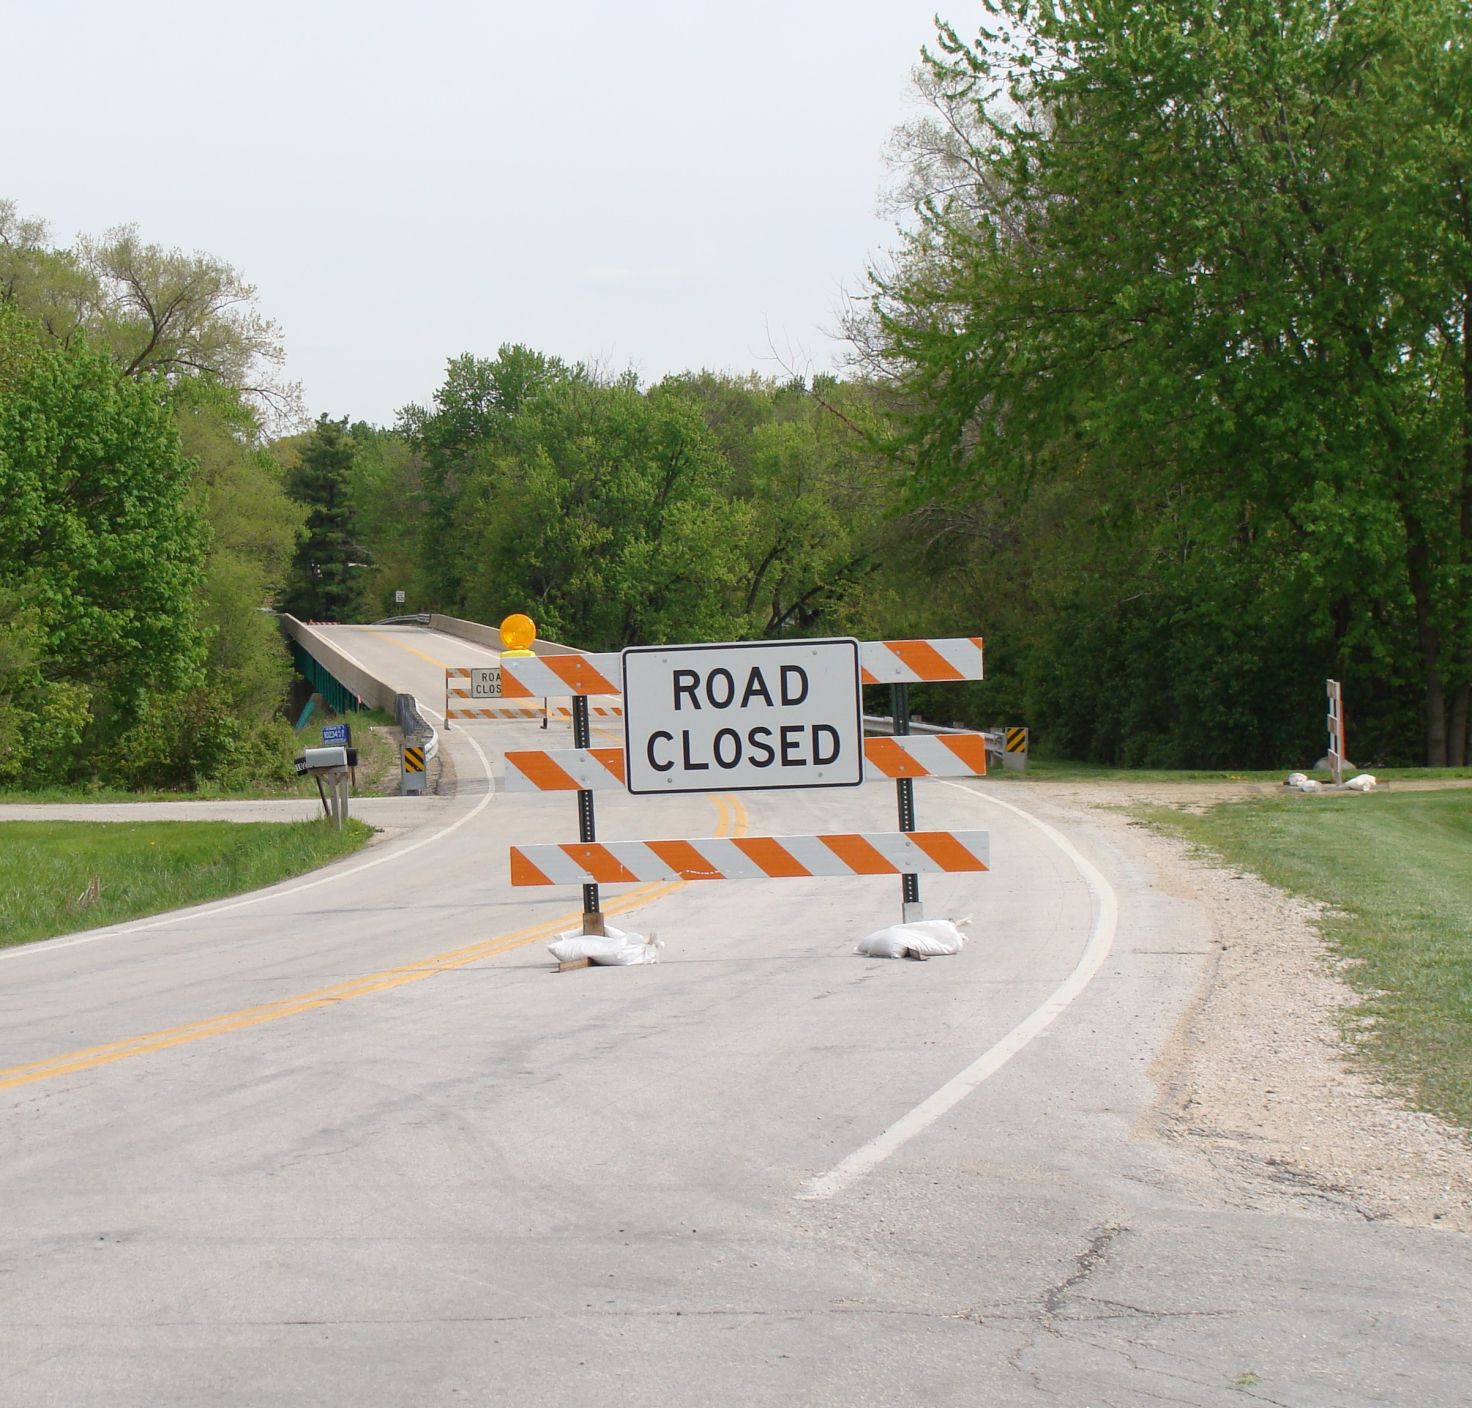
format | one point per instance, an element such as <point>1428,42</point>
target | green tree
<point>156,311</point>
<point>324,584</point>
<point>240,492</point>
<point>101,556</point>
<point>809,499</point>
<point>1204,272</point>
<point>187,327</point>
<point>601,514</point>
<point>472,415</point>
<point>386,489</point>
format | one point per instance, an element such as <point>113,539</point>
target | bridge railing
<point>346,685</point>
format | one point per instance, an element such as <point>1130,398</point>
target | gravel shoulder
<point>1255,1089</point>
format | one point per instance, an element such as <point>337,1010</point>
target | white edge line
<point>196,912</point>
<point>1096,950</point>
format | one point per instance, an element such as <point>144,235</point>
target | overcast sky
<point>645,185</point>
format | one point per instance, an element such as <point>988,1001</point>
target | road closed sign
<point>728,718</point>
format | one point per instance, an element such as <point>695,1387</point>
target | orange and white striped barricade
<point>899,664</point>
<point>751,858</point>
<point>474,692</point>
<point>922,661</point>
<point>602,769</point>
<point>597,711</point>
<point>553,676</point>
<point>585,678</point>
<point>881,662</point>
<point>904,757</point>
<point>934,755</point>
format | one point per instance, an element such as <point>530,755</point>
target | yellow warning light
<point>517,634</point>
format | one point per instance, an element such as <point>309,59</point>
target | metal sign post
<point>910,906</point>
<point>582,737</point>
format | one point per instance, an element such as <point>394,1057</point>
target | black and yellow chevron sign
<point>413,759</point>
<point>1017,740</point>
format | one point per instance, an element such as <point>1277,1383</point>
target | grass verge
<point>1054,770</point>
<point>375,736</point>
<point>57,877</point>
<point>1397,871</point>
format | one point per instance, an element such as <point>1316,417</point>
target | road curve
<point>350,1141</point>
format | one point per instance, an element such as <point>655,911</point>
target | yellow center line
<point>421,654</point>
<point>732,821</point>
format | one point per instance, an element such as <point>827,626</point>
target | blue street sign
<point>336,733</point>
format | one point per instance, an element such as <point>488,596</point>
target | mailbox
<point>325,759</point>
<point>332,764</point>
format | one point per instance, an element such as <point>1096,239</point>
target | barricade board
<point>922,661</point>
<point>880,662</point>
<point>602,769</point>
<point>557,676</point>
<point>751,858</point>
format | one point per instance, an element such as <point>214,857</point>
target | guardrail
<point>415,727</point>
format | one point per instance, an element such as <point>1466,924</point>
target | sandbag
<point>920,938</point>
<point>1365,782</point>
<point>615,948</point>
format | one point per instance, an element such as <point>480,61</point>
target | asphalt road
<point>351,1141</point>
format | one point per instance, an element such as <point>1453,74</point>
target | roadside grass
<point>1057,770</point>
<point>59,877</point>
<point>1396,869</point>
<point>378,757</point>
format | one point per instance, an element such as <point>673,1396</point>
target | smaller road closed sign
<point>730,718</point>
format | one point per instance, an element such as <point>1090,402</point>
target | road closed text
<point>716,718</point>
<point>790,746</point>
